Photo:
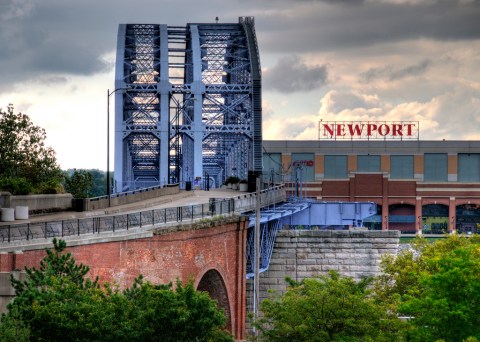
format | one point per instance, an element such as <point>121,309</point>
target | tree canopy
<point>327,308</point>
<point>24,155</point>
<point>428,293</point>
<point>79,183</point>
<point>57,302</point>
<point>436,285</point>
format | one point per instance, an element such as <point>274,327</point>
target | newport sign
<point>368,130</point>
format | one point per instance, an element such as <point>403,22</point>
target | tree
<point>23,152</point>
<point>57,302</point>
<point>79,184</point>
<point>183,314</point>
<point>328,308</point>
<point>437,285</point>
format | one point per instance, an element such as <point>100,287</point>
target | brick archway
<point>212,282</point>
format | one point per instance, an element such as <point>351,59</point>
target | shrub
<point>16,185</point>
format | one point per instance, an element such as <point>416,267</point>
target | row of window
<point>401,166</point>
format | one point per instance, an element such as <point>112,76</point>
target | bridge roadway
<point>184,198</point>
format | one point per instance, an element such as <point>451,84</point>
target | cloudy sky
<point>332,60</point>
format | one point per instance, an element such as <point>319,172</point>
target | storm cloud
<point>291,75</point>
<point>393,73</point>
<point>330,59</point>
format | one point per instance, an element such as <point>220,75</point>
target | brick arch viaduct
<point>211,254</point>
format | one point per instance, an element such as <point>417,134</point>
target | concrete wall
<point>6,290</point>
<point>43,202</point>
<point>129,197</point>
<point>301,254</point>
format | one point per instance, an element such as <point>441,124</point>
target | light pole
<point>109,93</point>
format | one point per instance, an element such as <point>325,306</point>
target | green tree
<point>328,308</point>
<point>23,152</point>
<point>57,302</point>
<point>99,182</point>
<point>183,314</point>
<point>438,286</point>
<point>79,184</point>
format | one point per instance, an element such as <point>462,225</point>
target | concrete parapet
<point>43,202</point>
<point>91,204</point>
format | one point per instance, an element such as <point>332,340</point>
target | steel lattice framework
<point>188,104</point>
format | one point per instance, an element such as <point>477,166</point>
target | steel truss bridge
<point>187,104</point>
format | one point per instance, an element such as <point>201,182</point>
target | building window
<point>368,163</point>
<point>336,167</point>
<point>303,167</point>
<point>469,167</point>
<point>272,167</point>
<point>435,166</point>
<point>401,167</point>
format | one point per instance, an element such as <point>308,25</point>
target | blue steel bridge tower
<point>187,104</point>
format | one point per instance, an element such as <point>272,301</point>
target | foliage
<point>328,308</point>
<point>99,186</point>
<point>79,184</point>
<point>12,328</point>
<point>23,152</point>
<point>161,314</point>
<point>57,302</point>
<point>232,180</point>
<point>16,185</point>
<point>99,182</point>
<point>438,286</point>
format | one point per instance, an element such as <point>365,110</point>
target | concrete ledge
<point>340,233</point>
<point>137,233</point>
<point>43,202</point>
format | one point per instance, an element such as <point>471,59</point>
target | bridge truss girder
<point>190,104</point>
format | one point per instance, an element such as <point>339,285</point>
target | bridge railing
<point>113,223</point>
<point>270,196</point>
<point>118,222</point>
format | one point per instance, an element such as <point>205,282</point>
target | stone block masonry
<point>301,254</point>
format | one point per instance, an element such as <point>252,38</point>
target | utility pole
<point>256,280</point>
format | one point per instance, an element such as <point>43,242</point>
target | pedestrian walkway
<point>183,198</point>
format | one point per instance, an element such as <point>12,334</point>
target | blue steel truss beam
<point>192,103</point>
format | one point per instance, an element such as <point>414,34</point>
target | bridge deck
<point>184,198</point>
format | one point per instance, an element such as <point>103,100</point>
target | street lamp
<point>109,93</point>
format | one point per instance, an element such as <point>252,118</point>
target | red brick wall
<point>186,254</point>
<point>368,184</point>
<point>336,188</point>
<point>402,188</point>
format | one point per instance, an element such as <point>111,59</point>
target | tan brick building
<point>432,186</point>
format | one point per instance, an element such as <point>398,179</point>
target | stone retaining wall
<point>301,254</point>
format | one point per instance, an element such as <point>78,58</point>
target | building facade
<point>418,186</point>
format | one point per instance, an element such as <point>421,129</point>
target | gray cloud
<point>324,26</point>
<point>69,38</point>
<point>291,75</point>
<point>393,73</point>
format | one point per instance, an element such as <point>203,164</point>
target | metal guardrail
<point>270,196</point>
<point>113,223</point>
<point>119,222</point>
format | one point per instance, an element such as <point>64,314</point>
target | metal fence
<point>113,223</point>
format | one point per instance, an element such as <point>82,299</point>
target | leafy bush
<point>232,180</point>
<point>49,187</point>
<point>16,185</point>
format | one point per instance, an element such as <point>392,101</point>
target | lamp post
<point>109,93</point>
